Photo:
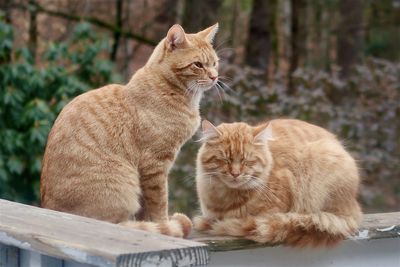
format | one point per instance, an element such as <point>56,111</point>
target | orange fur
<point>110,150</point>
<point>285,182</point>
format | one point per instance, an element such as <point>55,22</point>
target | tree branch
<point>118,23</point>
<point>94,21</point>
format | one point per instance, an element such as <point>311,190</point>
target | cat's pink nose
<point>235,173</point>
<point>213,77</point>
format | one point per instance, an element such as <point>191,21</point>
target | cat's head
<point>235,154</point>
<point>189,58</point>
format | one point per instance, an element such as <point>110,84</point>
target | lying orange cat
<point>286,181</point>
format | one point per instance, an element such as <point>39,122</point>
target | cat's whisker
<point>190,89</point>
<point>261,194</point>
<point>222,77</point>
<point>190,180</point>
<point>225,49</point>
<point>219,95</point>
<point>224,53</point>
<point>224,85</point>
<point>269,191</point>
<point>208,173</point>
<point>221,43</point>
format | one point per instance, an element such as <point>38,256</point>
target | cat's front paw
<point>184,221</point>
<point>202,223</point>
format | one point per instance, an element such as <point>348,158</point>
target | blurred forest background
<point>335,63</point>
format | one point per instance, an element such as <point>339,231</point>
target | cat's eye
<point>198,64</point>
<point>249,162</point>
<point>214,64</point>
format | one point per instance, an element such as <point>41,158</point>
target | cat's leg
<point>155,196</point>
<point>154,184</point>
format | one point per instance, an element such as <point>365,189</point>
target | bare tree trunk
<point>166,17</point>
<point>297,38</point>
<point>117,34</point>
<point>91,19</point>
<point>349,35</point>
<point>199,14</point>
<point>6,6</point>
<point>33,33</point>
<point>235,13</point>
<point>259,42</point>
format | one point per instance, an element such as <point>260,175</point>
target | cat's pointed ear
<point>176,37</point>
<point>209,33</point>
<point>208,131</point>
<point>263,134</point>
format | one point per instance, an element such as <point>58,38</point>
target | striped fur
<point>110,150</point>
<point>299,188</point>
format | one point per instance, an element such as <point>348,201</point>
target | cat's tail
<point>293,229</point>
<point>179,225</point>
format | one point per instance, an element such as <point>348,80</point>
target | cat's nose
<point>235,174</point>
<point>212,77</point>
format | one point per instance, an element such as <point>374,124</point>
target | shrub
<point>31,96</point>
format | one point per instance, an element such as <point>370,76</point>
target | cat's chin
<point>209,87</point>
<point>240,185</point>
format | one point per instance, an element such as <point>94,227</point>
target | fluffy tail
<point>293,229</point>
<point>179,225</point>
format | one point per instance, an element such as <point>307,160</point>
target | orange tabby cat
<point>286,181</point>
<point>110,150</point>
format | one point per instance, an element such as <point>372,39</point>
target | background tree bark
<point>166,17</point>
<point>259,42</point>
<point>32,42</point>
<point>6,6</point>
<point>199,14</point>
<point>297,38</point>
<point>349,42</point>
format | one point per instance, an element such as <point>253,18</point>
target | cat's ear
<point>176,37</point>
<point>209,33</point>
<point>208,131</point>
<point>263,134</point>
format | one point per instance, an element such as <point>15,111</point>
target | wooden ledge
<point>55,238</point>
<point>374,226</point>
<point>79,239</point>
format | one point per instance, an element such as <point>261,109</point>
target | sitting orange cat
<point>286,181</point>
<point>110,150</point>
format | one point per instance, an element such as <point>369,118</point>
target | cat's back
<point>291,131</point>
<point>299,144</point>
<point>94,129</point>
<point>93,117</point>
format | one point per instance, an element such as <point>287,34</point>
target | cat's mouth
<point>237,184</point>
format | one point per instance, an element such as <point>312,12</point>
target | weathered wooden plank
<point>9,256</point>
<point>374,226</point>
<point>76,238</point>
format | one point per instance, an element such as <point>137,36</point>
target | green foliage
<point>31,97</point>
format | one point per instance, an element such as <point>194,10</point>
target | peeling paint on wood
<point>386,229</point>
